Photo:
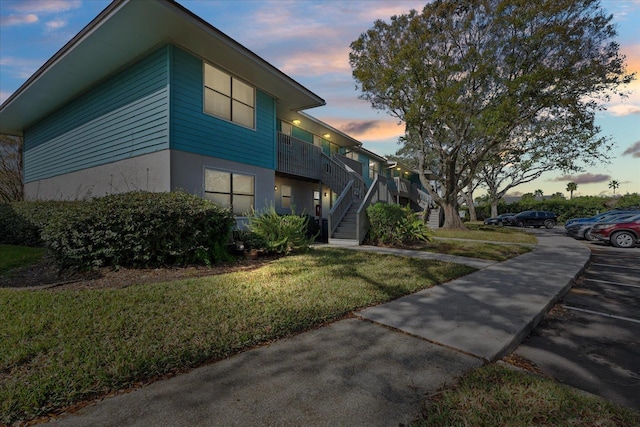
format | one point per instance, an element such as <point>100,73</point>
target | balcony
<point>299,158</point>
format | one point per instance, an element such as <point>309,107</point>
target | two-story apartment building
<point>148,96</point>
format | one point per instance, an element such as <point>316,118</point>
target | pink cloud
<point>18,19</point>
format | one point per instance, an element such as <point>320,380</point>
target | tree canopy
<point>477,80</point>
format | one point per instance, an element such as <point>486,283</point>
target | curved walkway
<point>370,370</point>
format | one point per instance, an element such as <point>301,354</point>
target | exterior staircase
<point>434,218</point>
<point>345,233</point>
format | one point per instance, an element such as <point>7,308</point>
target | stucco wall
<point>187,173</point>
<point>149,172</point>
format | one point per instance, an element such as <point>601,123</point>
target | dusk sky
<point>309,41</point>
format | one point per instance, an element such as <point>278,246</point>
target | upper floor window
<point>374,169</point>
<point>228,98</point>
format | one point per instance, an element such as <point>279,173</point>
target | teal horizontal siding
<point>124,116</point>
<point>196,132</point>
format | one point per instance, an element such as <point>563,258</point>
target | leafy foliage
<point>394,224</point>
<point>139,229</point>
<point>578,207</point>
<point>21,223</point>
<point>280,233</point>
<point>473,81</point>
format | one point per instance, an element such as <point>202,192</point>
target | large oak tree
<point>466,76</point>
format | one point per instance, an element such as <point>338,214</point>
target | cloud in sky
<point>19,67</point>
<point>585,178</point>
<point>367,130</point>
<point>56,24</point>
<point>633,150</point>
<point>8,20</point>
<point>624,110</point>
<point>43,6</point>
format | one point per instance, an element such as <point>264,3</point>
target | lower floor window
<point>230,189</point>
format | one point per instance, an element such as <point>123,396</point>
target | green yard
<point>59,347</point>
<point>18,256</point>
<point>498,396</point>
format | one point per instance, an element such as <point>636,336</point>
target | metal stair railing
<point>380,191</point>
<point>340,208</point>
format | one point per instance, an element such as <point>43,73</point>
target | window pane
<point>223,200</point>
<point>217,181</point>
<point>242,204</point>
<point>216,79</point>
<point>242,114</point>
<point>243,92</point>
<point>286,191</point>
<point>217,104</point>
<point>243,184</point>
<point>286,128</point>
<point>286,202</point>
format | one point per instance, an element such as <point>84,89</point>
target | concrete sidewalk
<point>370,370</point>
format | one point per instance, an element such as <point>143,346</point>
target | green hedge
<point>140,229</point>
<point>578,207</point>
<point>130,229</point>
<point>21,223</point>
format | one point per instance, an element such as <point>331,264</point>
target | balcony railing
<point>299,158</point>
<point>403,186</point>
<point>353,164</point>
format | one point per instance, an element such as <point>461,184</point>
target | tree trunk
<point>469,198</point>
<point>494,208</point>
<point>472,212</point>
<point>452,217</point>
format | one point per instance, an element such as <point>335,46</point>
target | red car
<point>621,235</point>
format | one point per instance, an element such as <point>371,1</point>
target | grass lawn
<point>60,347</point>
<point>489,251</point>
<point>497,396</point>
<point>18,256</point>
<point>479,231</point>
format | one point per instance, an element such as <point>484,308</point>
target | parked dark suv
<point>536,219</point>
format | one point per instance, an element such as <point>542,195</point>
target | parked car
<point>582,229</point>
<point>503,219</point>
<point>536,219</point>
<point>602,216</point>
<point>619,234</point>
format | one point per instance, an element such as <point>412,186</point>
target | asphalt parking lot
<point>591,339</point>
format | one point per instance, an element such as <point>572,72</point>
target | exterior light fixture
<point>275,188</point>
<point>326,135</point>
<point>325,194</point>
<point>398,168</point>
<point>296,122</point>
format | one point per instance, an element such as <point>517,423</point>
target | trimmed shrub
<point>394,224</point>
<point>21,223</point>
<point>140,229</point>
<point>280,233</point>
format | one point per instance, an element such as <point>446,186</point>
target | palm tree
<point>571,187</point>
<point>538,193</point>
<point>614,184</point>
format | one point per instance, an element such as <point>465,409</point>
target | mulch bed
<point>47,275</point>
